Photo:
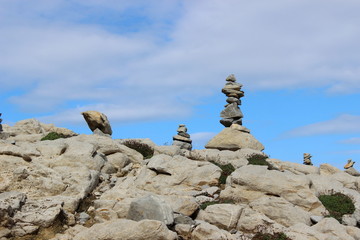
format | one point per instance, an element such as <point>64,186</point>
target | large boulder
<point>208,231</point>
<point>225,216</point>
<point>151,207</point>
<point>234,139</point>
<point>258,179</point>
<point>97,120</point>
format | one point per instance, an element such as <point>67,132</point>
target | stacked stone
<point>182,139</point>
<point>350,163</point>
<point>1,128</point>
<point>307,159</point>
<point>232,113</point>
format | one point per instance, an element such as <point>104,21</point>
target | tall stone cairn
<point>182,139</point>
<point>232,113</point>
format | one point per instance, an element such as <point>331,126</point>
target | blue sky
<point>151,65</point>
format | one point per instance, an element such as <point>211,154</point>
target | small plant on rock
<point>265,232</point>
<point>257,159</point>
<point>206,204</point>
<point>140,147</point>
<point>227,169</point>
<point>337,204</point>
<point>271,236</point>
<point>52,136</point>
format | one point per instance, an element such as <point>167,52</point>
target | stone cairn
<point>1,128</point>
<point>307,159</point>
<point>182,139</point>
<point>232,113</point>
<point>349,164</point>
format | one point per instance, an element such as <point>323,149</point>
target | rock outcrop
<point>94,187</point>
<point>182,139</point>
<point>97,120</point>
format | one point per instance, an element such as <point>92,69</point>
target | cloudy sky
<point>150,65</point>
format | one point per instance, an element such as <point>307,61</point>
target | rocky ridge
<point>94,187</point>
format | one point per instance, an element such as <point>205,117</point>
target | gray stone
<point>83,217</point>
<point>352,171</point>
<point>184,134</point>
<point>232,93</point>
<point>182,128</point>
<point>227,121</point>
<point>232,87</point>
<point>349,220</point>
<point>182,145</point>
<point>232,139</point>
<point>316,219</point>
<point>233,100</point>
<point>231,78</point>
<point>182,219</point>
<point>151,207</point>
<point>231,111</point>
<point>182,139</point>
<point>100,133</point>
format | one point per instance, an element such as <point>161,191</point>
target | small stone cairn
<point>182,139</point>
<point>349,164</point>
<point>307,159</point>
<point>1,128</point>
<point>232,113</point>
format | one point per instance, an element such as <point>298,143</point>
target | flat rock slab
<point>151,207</point>
<point>232,139</point>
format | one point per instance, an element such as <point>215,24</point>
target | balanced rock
<point>182,139</point>
<point>97,120</point>
<point>349,164</point>
<point>234,138</point>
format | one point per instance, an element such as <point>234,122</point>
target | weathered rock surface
<point>86,186</point>
<point>121,229</point>
<point>224,216</point>
<point>151,207</point>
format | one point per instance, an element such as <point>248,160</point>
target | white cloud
<point>343,124</point>
<point>200,139</point>
<point>120,114</point>
<point>354,140</point>
<point>61,52</point>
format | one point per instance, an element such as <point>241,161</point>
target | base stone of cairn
<point>182,139</point>
<point>234,136</point>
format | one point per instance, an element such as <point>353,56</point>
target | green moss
<point>227,169</point>
<point>206,204</point>
<point>337,204</point>
<point>273,236</point>
<point>140,147</point>
<point>258,160</point>
<point>52,136</point>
